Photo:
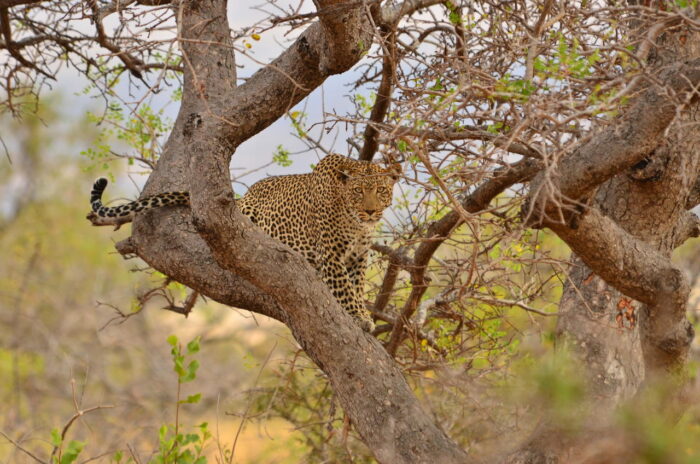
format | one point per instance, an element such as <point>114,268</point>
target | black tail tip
<point>100,184</point>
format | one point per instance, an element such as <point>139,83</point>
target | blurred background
<point>81,328</point>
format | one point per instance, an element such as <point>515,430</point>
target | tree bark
<point>220,253</point>
<point>623,243</point>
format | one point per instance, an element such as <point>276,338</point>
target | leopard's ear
<point>345,169</point>
<point>394,170</point>
<point>343,174</point>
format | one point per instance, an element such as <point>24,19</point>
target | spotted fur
<point>327,215</point>
<point>129,210</point>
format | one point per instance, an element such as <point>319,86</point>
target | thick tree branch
<point>642,272</point>
<point>632,266</point>
<point>440,230</point>
<point>688,227</point>
<point>381,105</point>
<point>393,14</point>
<point>213,120</point>
<point>619,146</point>
<point>693,199</point>
<point>11,3</point>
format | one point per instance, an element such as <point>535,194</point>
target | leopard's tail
<point>129,210</point>
<point>98,189</point>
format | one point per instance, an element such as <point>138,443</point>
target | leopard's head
<point>368,189</point>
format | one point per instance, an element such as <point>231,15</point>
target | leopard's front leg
<point>342,283</point>
<point>357,266</point>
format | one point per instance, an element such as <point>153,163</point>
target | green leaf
<point>191,372</point>
<point>178,367</point>
<point>480,363</point>
<point>190,438</point>
<point>71,453</point>
<point>191,399</point>
<point>56,437</point>
<point>281,157</point>
<point>193,346</point>
<point>172,340</point>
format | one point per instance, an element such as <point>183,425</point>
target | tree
<point>582,113</point>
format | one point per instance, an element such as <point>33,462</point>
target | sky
<point>332,96</point>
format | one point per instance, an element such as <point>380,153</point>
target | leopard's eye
<point>357,190</point>
<point>381,189</point>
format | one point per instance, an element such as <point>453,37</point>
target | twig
<point>21,448</point>
<point>78,414</point>
<point>381,105</point>
<point>245,414</point>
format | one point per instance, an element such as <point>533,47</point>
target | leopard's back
<point>282,207</point>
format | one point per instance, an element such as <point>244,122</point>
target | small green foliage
<point>298,118</point>
<point>175,447</point>
<point>66,455</point>
<point>362,47</point>
<point>181,448</point>
<point>569,61</point>
<point>140,130</point>
<point>281,157</point>
<point>365,104</point>
<point>686,3</point>
<point>454,15</point>
<point>193,346</point>
<point>186,372</point>
<point>495,128</point>
<point>192,399</point>
<point>402,146</point>
<point>70,454</point>
<point>56,437</point>
<point>118,456</point>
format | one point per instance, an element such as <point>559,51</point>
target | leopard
<point>328,216</point>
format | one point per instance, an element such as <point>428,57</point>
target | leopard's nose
<point>370,211</point>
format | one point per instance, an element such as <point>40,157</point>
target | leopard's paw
<point>367,325</point>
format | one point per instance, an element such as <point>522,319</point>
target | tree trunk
<point>623,343</point>
<point>221,254</point>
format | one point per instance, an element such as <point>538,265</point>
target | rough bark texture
<point>623,242</point>
<point>221,254</point>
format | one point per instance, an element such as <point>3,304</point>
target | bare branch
<point>22,449</point>
<point>393,14</point>
<point>618,147</point>
<point>440,230</point>
<point>133,64</point>
<point>6,30</point>
<point>532,50</point>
